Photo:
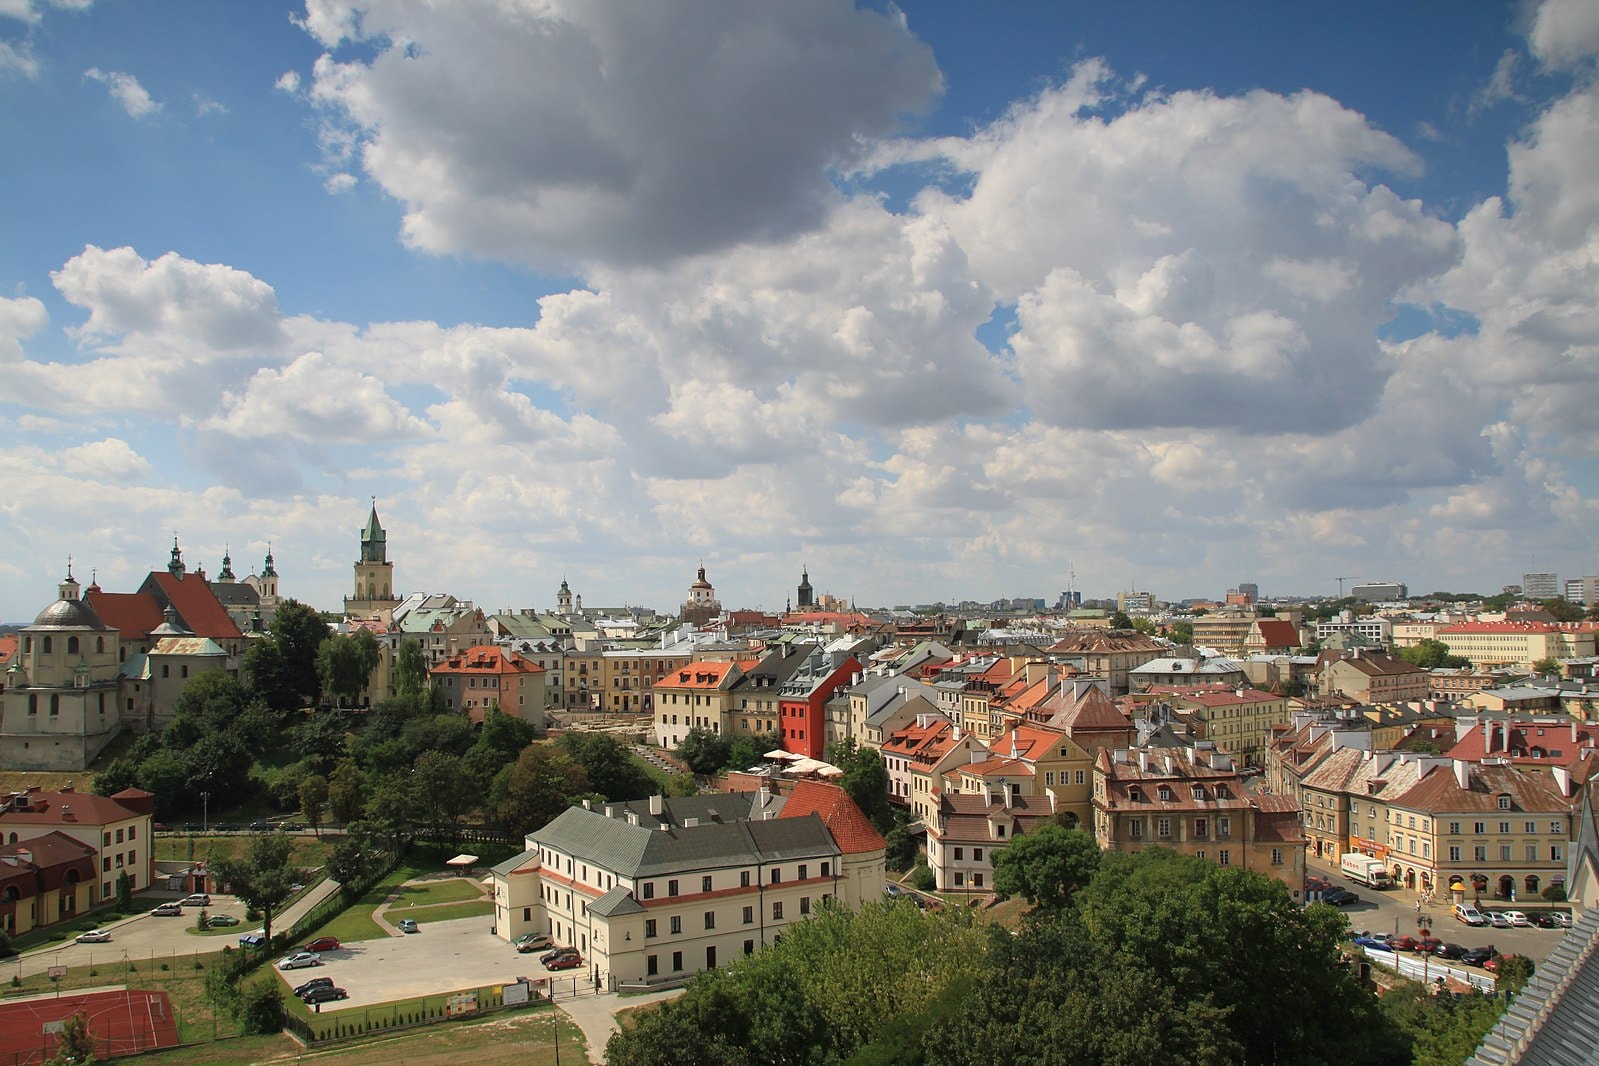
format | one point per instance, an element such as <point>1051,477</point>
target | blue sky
<point>939,303</point>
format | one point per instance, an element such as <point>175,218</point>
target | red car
<point>323,943</point>
<point>565,960</point>
<point>1404,943</point>
<point>1427,945</point>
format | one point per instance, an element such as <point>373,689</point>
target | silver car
<point>300,959</point>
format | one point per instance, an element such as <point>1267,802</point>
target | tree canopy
<point>1431,654</point>
<point>1047,866</point>
<point>264,877</point>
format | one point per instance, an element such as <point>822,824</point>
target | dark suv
<point>1478,956</point>
<point>316,982</point>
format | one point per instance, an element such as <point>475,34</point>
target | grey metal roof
<point>617,901</point>
<point>510,866</point>
<point>636,851</point>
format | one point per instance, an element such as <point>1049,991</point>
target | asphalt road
<point>1394,911</point>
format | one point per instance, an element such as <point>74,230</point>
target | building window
<point>749,947</point>
<point>959,854</point>
<point>777,876</point>
<point>1276,856</point>
<point>1504,803</point>
<point>1479,853</point>
<point>1163,827</point>
<point>649,928</point>
<point>743,879</point>
<point>705,883</point>
<point>652,965</point>
<point>1479,827</point>
<point>1454,853</point>
<point>1557,827</point>
<point>1504,828</point>
<point>1201,827</point>
<point>677,923</point>
<point>671,888</point>
<point>1504,853</point>
<point>677,960</point>
<point>749,915</point>
<point>1454,828</point>
<point>777,910</point>
<point>827,869</point>
<point>710,919</point>
<point>1224,857</point>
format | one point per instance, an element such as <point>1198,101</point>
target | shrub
<point>922,877</point>
<point>263,1007</point>
<point>1555,893</point>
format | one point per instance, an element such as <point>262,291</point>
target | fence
<point>1424,968</point>
<point>349,1023</point>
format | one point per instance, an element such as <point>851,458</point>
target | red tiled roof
<point>706,675</point>
<point>199,607</point>
<point>850,828</point>
<point>49,808</point>
<point>8,647</point>
<point>132,613</point>
<point>1278,632</point>
<point>487,659</point>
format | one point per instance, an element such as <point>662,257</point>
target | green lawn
<point>310,852</point>
<point>455,890</point>
<point>356,922</point>
<point>448,912</point>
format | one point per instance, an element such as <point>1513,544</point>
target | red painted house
<point>802,702</point>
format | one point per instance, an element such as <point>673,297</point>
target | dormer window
<point>1504,802</point>
<point>1199,793</point>
<point>1135,794</point>
<point>1165,793</point>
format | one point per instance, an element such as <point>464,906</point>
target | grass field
<point>455,890</point>
<point>308,851</point>
<point>448,912</point>
<point>356,922</point>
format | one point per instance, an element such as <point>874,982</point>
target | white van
<point>1469,914</point>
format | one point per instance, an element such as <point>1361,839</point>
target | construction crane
<point>1341,581</point>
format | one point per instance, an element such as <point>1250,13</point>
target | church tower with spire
<point>374,574</point>
<point>805,600</point>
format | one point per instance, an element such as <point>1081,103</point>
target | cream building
<point>654,891</point>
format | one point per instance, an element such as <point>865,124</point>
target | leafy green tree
<point>210,703</point>
<point>124,891</point>
<point>746,751</point>
<point>1144,625</point>
<point>681,785</point>
<point>262,878</point>
<point>74,1043</point>
<point>1546,667</point>
<point>1431,654</point>
<point>703,751</point>
<point>1563,609</point>
<point>298,631</point>
<point>1442,1030</point>
<point>268,676</point>
<point>394,806</point>
<point>357,857</point>
<point>901,846</point>
<point>347,792</point>
<point>345,664</point>
<point>166,774</point>
<point>1119,620</point>
<point>263,1007</point>
<point>410,669</point>
<point>1046,867</point>
<point>610,767</point>
<point>444,791</point>
<point>314,800</point>
<point>319,738</point>
<point>1513,974</point>
<point>536,788</point>
<point>866,780</point>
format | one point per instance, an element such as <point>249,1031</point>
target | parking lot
<point>442,957</point>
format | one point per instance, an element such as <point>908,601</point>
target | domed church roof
<point>68,614</point>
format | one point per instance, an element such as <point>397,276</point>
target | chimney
<point>955,733</point>
<point>1143,761</point>
<point>1563,781</point>
<point>1462,773</point>
<point>66,813</point>
<point>657,804</point>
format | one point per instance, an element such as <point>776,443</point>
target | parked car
<point>292,827</point>
<point>168,910</point>
<point>1404,943</point>
<point>529,942</point>
<point>1339,897</point>
<point>1563,919</point>
<point>222,919</point>
<point>566,959</point>
<point>226,827</point>
<point>1380,941</point>
<point>1478,956</point>
<point>548,955</point>
<point>1449,951</point>
<point>1469,914</point>
<point>263,827</point>
<point>323,943</point>
<point>198,899</point>
<point>406,925</point>
<point>1492,965</point>
<point>1426,945</point>
<point>1517,919</point>
<point>1498,920</point>
<point>1545,920</point>
<point>299,959</point>
<point>325,994</point>
<point>94,936</point>
<point>892,890</point>
<point>315,982</point>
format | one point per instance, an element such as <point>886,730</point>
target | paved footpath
<point>596,1015</point>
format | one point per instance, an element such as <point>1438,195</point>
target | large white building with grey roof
<point>653,891</point>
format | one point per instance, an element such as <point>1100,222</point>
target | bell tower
<point>374,574</point>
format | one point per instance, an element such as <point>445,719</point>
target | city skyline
<point>921,299</point>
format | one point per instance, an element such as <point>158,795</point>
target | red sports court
<point>122,1023</point>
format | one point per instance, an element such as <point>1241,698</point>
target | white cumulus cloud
<point>126,91</point>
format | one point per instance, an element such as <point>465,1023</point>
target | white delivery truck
<point>1365,870</point>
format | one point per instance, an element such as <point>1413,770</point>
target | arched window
<point>27,644</point>
<point>1532,883</point>
<point>46,648</point>
<point>371,590</point>
<point>33,703</point>
<point>99,645</point>
<point>72,645</point>
<point>55,704</point>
